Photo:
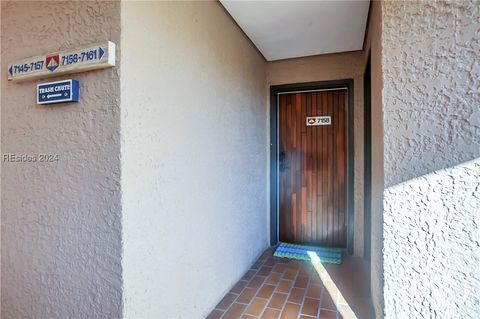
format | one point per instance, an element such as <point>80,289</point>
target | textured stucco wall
<point>326,68</point>
<point>431,100</point>
<point>60,222</point>
<point>194,156</point>
<point>432,240</point>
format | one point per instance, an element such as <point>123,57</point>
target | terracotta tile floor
<point>291,289</point>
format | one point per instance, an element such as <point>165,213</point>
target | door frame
<point>367,160</point>
<point>274,136</point>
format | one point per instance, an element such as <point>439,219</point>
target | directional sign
<point>319,120</point>
<point>95,56</point>
<point>57,92</point>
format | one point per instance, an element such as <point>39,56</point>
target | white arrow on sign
<point>53,95</point>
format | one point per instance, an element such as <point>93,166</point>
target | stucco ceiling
<point>290,29</point>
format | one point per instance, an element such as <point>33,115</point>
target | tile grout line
<point>248,281</point>
<point>273,292</point>
<point>322,296</point>
<point>288,293</point>
<point>305,295</point>
<point>321,300</point>
<point>257,289</point>
<point>320,308</point>
<point>268,301</point>
<point>228,308</point>
<point>337,298</point>
<point>336,303</point>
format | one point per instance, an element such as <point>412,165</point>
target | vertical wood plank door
<point>312,169</point>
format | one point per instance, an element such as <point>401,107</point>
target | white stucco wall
<point>194,156</point>
<point>431,101</point>
<point>60,222</point>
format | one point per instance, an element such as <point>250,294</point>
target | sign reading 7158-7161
<point>95,56</point>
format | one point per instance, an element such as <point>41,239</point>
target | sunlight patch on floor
<point>337,297</point>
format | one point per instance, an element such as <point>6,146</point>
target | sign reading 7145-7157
<point>95,56</point>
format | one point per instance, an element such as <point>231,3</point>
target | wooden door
<point>312,168</point>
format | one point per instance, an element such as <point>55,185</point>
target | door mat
<point>300,252</point>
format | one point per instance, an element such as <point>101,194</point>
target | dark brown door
<point>312,168</point>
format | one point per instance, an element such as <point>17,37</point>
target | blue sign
<point>57,92</point>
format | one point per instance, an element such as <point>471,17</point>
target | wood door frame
<point>274,136</point>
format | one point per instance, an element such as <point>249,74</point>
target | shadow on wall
<point>422,141</point>
<point>431,83</point>
<point>435,253</point>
